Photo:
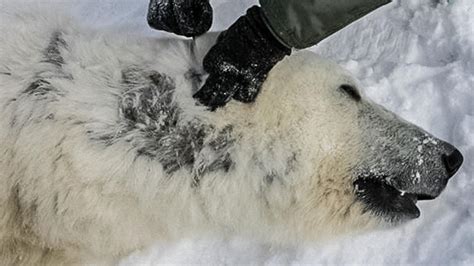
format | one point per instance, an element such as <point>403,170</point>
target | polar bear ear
<point>351,91</point>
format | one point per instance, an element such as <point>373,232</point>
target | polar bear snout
<point>452,162</point>
<point>391,189</point>
<point>431,165</point>
<point>446,161</point>
<point>403,164</point>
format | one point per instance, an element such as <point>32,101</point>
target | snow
<point>415,57</point>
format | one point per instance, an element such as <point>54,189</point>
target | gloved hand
<point>183,17</point>
<point>239,62</point>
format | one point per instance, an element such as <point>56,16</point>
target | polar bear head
<point>353,163</point>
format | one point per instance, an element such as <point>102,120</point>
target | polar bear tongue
<point>384,200</point>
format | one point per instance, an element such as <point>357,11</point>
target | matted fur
<point>104,150</point>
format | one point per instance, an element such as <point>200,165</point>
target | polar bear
<point>104,150</point>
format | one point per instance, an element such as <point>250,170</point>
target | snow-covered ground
<point>416,57</point>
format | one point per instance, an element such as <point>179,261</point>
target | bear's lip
<point>385,200</point>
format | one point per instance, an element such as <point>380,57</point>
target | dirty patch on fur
<point>31,102</point>
<point>52,53</point>
<point>149,119</point>
<point>41,88</point>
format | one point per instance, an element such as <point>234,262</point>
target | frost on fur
<point>104,150</point>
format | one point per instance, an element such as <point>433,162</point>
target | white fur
<point>67,199</point>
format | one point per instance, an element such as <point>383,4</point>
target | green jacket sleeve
<point>303,23</point>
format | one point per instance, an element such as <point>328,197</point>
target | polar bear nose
<point>453,162</point>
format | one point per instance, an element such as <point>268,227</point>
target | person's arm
<point>303,23</point>
<point>240,61</point>
<point>244,54</point>
<point>189,18</point>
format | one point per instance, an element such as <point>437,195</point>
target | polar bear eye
<point>351,91</point>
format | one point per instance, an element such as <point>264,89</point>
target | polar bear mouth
<point>386,201</point>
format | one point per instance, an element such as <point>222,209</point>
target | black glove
<point>183,17</point>
<point>239,62</point>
